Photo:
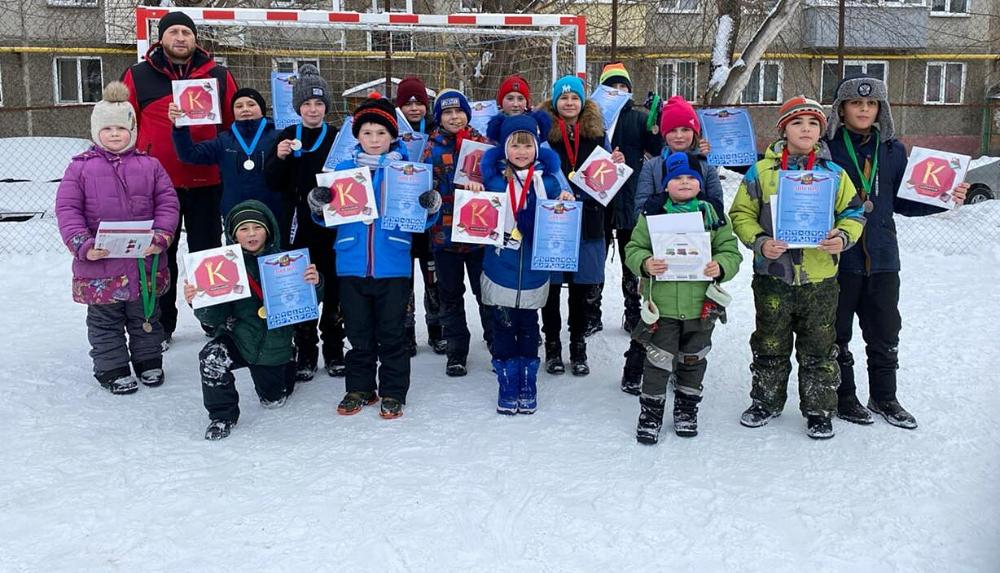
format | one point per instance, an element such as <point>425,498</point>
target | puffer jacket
<point>634,141</point>
<point>651,190</point>
<point>442,151</point>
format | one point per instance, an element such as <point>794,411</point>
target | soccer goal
<point>358,53</point>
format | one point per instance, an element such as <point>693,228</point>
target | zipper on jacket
<point>370,271</point>
<point>520,269</point>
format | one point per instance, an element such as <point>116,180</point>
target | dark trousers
<point>107,325</point>
<point>319,242</point>
<point>806,314</point>
<point>202,223</point>
<point>630,283</point>
<point>218,359</point>
<point>689,341</point>
<point>578,311</point>
<point>515,332</point>
<point>432,301</point>
<point>875,299</point>
<point>451,270</point>
<point>374,312</point>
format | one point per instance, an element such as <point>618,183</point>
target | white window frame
<point>675,8</point>
<point>849,62</point>
<point>944,82</point>
<point>760,88</point>
<point>296,63</point>
<point>79,79</point>
<point>376,8</point>
<point>673,88</point>
<point>72,3</point>
<point>947,13</point>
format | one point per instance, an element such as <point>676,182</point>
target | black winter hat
<point>249,214</point>
<point>376,109</point>
<point>252,94</point>
<point>174,19</point>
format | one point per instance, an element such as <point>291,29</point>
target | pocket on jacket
<point>399,242</point>
<point>345,242</point>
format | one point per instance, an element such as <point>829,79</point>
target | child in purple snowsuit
<point>112,181</point>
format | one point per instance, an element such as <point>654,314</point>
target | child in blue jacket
<point>374,267</point>
<point>509,286</point>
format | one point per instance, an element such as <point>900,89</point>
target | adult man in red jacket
<point>177,56</point>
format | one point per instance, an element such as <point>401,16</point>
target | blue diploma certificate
<point>288,298</point>
<point>611,102</point>
<point>281,95</point>
<point>404,182</point>
<point>482,111</point>
<point>343,146</point>
<point>556,241</point>
<point>730,133</point>
<point>805,207</point>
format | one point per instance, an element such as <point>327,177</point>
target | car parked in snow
<point>984,182</point>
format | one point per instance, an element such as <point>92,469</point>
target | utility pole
<point>388,55</point>
<point>614,30</point>
<point>841,10</point>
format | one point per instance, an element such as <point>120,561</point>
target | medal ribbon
<point>575,151</point>
<point>256,138</point>
<point>516,205</point>
<point>319,140</point>
<point>147,288</point>
<point>809,162</point>
<point>866,182</point>
<point>255,288</point>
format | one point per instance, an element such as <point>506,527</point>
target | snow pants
<point>216,362</point>
<point>374,318</point>
<point>689,341</point>
<point>319,241</point>
<point>515,332</point>
<point>107,325</point>
<point>875,299</point>
<point>451,270</point>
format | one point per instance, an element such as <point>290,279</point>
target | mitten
<point>430,200</point>
<point>319,198</point>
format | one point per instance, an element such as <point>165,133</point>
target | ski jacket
<point>442,152</point>
<point>634,141</point>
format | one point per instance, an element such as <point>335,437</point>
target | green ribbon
<point>652,117</point>
<point>147,289</point>
<point>869,182</point>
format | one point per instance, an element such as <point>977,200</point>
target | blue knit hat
<point>680,163</point>
<point>568,84</point>
<point>448,99</point>
<point>501,126</point>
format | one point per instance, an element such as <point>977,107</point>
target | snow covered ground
<point>94,482</point>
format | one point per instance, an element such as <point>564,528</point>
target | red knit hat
<point>678,113</point>
<point>412,88</point>
<point>797,107</point>
<point>514,83</point>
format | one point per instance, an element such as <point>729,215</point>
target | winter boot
<point>893,413</point>
<point>630,288</point>
<point>456,367</point>
<point>218,429</point>
<point>650,418</point>
<point>819,427</point>
<point>553,357</point>
<point>527,394</point>
<point>595,323</point>
<point>686,414</point>
<point>411,340</point>
<point>509,382</point>
<point>305,363</point>
<point>273,404</point>
<point>390,408</point>
<point>632,373</point>
<point>118,381</point>
<point>435,338</point>
<point>336,368</point>
<point>578,358</point>
<point>152,378</point>
<point>757,415</point>
<point>354,401</point>
<point>850,409</point>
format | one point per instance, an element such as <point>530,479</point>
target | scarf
<point>712,221</point>
<point>373,161</point>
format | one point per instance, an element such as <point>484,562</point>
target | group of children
<point>364,273</point>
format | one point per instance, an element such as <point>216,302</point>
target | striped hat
<point>798,106</point>
<point>615,73</point>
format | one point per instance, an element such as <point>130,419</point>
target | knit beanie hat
<point>176,19</point>
<point>501,127</point>
<point>680,163</point>
<point>615,74</point>
<point>513,83</point>
<point>252,94</point>
<point>113,110</point>
<point>799,106</point>
<point>412,88</point>
<point>248,214</point>
<point>568,84</point>
<point>857,87</point>
<point>677,112</point>
<point>309,85</point>
<point>449,98</point>
<point>376,109</point>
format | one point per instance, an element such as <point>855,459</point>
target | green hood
<point>273,235</point>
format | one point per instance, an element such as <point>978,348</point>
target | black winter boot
<point>305,362</point>
<point>686,414</point>
<point>819,427</point>
<point>411,340</point>
<point>632,373</point>
<point>118,381</point>
<point>435,338</point>
<point>553,357</point>
<point>650,418</point>
<point>757,415</point>
<point>630,289</point>
<point>850,409</point>
<point>595,323</point>
<point>893,413</point>
<point>578,358</point>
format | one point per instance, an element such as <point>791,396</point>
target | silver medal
<point>869,206</point>
<point>147,327</point>
<point>248,165</point>
<point>296,145</point>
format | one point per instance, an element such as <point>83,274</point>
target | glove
<point>319,198</point>
<point>714,307</point>
<point>430,200</point>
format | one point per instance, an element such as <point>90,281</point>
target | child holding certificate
<point>795,290</point>
<point>862,141</point>
<point>679,332</point>
<point>241,337</point>
<point>512,290</point>
<point>681,131</point>
<point>374,269</point>
<point>112,181</point>
<point>453,260</point>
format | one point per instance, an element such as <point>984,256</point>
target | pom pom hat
<point>113,110</point>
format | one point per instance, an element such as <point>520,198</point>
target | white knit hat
<point>113,110</point>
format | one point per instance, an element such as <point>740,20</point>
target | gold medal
<point>571,174</point>
<point>515,234</point>
<point>146,327</point>
<point>262,313</point>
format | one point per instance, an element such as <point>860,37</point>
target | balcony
<point>887,27</point>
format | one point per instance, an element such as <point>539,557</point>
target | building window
<point>851,68</point>
<point>677,77</point>
<point>78,80</point>
<point>764,85</point>
<point>73,3</point>
<point>679,6</point>
<point>292,65</point>
<point>942,7</point>
<point>945,83</point>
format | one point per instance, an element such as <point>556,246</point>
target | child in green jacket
<point>679,316</point>
<point>241,337</point>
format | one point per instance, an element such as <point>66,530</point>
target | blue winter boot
<point>527,395</point>
<point>509,379</point>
